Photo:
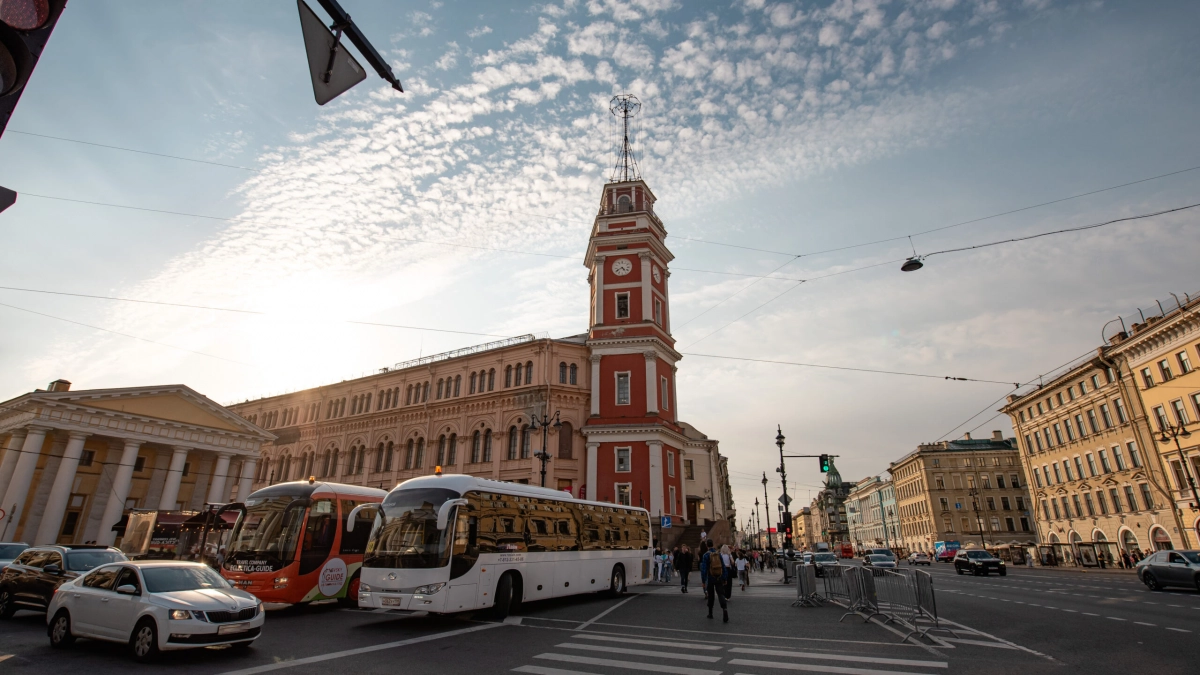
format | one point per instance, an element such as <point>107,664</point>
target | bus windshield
<point>266,540</point>
<point>408,537</point>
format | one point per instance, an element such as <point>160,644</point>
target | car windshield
<point>408,537</point>
<point>189,578</point>
<point>82,561</point>
<point>10,551</point>
<point>266,540</point>
<point>978,554</point>
<point>879,558</point>
<point>825,557</point>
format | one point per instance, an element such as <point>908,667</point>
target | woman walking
<point>743,570</point>
<point>716,573</point>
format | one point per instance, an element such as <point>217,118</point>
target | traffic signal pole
<point>782,471</point>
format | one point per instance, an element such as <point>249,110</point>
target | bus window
<point>355,543</point>
<point>466,542</point>
<point>319,533</point>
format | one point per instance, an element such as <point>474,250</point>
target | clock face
<point>657,275</point>
<point>622,266</point>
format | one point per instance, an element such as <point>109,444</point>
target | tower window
<point>623,463</point>
<point>623,388</point>
<point>658,312</point>
<point>624,204</point>
<point>622,305</point>
<point>665,396</point>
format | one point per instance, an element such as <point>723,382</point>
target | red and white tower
<point>634,442</point>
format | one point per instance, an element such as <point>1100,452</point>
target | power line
<point>140,152</point>
<point>860,370</point>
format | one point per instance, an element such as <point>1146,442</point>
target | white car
<point>918,559</point>
<point>154,606</point>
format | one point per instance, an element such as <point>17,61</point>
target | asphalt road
<point>1027,622</point>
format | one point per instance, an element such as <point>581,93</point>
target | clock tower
<point>634,442</point>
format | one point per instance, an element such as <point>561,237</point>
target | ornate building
<point>614,435</point>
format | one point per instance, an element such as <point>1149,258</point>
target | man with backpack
<point>716,572</point>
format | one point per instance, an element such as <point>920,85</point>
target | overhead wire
<point>849,368</point>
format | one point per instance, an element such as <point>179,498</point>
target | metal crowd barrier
<point>901,596</point>
<point>806,587</point>
<point>836,588</point>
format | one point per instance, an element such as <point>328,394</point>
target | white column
<point>647,282</point>
<point>22,477</point>
<point>170,491</point>
<point>595,385</point>
<point>656,479</point>
<point>593,490</point>
<point>216,489</point>
<point>667,303</point>
<point>599,290</point>
<point>651,382</point>
<point>120,491</point>
<point>12,452</point>
<point>247,478</point>
<point>56,505</point>
<point>683,491</point>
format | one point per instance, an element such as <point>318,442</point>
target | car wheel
<point>616,585</point>
<point>60,630</point>
<point>351,599</point>
<point>7,607</point>
<point>1151,582</point>
<point>143,644</point>
<point>502,604</point>
<point>1197,581</point>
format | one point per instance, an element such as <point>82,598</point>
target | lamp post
<point>544,423</point>
<point>757,524</point>
<point>787,502</point>
<point>974,493</point>
<point>1174,433</point>
<point>766,501</point>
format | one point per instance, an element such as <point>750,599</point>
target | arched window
<point>408,396</point>
<point>475,449</point>
<point>333,463</point>
<point>420,460</point>
<point>387,464</point>
<point>408,455</point>
<point>457,385</point>
<point>517,380</point>
<point>367,405</point>
<point>491,379</point>
<point>562,373</point>
<point>287,468</point>
<point>441,453</point>
<point>262,470</point>
<point>512,442</point>
<point>452,452</point>
<point>526,442</point>
<point>528,372</point>
<point>566,441</point>
<point>396,398</point>
<point>472,389</point>
<point>487,445</point>
<point>362,457</point>
<point>379,457</point>
<point>353,405</point>
<point>438,395</point>
<point>425,393</point>
<point>573,371</point>
<point>508,376</point>
<point>353,456</point>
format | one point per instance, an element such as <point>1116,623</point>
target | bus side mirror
<point>444,511</point>
<point>354,513</point>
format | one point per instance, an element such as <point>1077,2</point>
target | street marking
<point>1071,610</point>
<point>727,635</point>
<point>1143,623</point>
<point>542,670</point>
<point>1090,614</point>
<point>5,657</point>
<point>601,615</point>
<point>817,668</point>
<point>839,657</point>
<point>361,650</point>
<point>997,639</point>
<point>979,643</point>
<point>631,665</point>
<point>1114,618</point>
<point>659,643</point>
<point>1178,630</point>
<point>640,652</point>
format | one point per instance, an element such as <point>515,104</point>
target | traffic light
<point>824,463</point>
<point>25,26</point>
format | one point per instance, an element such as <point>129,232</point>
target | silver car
<point>1170,568</point>
<point>154,606</point>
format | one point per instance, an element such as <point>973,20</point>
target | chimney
<point>60,385</point>
<point>967,436</point>
<point>997,436</point>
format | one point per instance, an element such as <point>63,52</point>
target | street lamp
<point>758,524</point>
<point>1174,433</point>
<point>767,500</point>
<point>544,423</point>
<point>974,493</point>
<point>787,502</point>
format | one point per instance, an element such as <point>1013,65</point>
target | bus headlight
<point>363,588</point>
<point>429,589</point>
<point>281,582</point>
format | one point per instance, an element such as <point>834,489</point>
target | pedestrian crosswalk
<point>615,654</point>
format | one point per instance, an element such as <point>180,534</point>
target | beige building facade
<point>969,490</point>
<point>74,462</point>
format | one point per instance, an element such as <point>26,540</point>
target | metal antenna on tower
<point>625,106</point>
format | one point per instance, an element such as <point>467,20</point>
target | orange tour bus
<point>290,543</point>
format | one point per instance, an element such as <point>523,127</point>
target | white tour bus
<point>455,543</point>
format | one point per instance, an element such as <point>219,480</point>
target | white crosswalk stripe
<point>631,665</point>
<point>840,657</point>
<point>657,643</point>
<point>819,668</point>
<point>640,652</point>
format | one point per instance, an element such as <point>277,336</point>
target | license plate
<point>232,628</point>
<point>392,602</point>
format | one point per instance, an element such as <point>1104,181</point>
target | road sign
<point>665,522</point>
<point>7,198</point>
<point>332,67</point>
<point>785,500</point>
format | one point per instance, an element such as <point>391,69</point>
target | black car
<point>978,563</point>
<point>29,581</point>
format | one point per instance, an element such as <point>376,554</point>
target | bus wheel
<point>616,586</point>
<point>351,599</point>
<point>502,602</point>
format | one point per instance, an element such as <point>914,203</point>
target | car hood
<point>208,599</point>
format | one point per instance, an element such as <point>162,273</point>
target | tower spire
<point>625,106</point>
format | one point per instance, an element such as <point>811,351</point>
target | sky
<point>801,140</point>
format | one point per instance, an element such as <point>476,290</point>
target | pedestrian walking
<point>703,538</point>
<point>729,562</point>
<point>716,573</point>
<point>683,564</point>
<point>657,563</point>
<point>743,570</point>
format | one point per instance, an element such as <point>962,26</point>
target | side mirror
<point>127,589</point>
<point>444,511</point>
<point>354,514</point>
<point>52,569</point>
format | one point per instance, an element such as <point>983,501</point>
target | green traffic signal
<point>824,463</point>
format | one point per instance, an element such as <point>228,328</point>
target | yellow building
<point>1157,361</point>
